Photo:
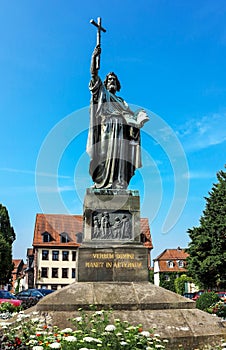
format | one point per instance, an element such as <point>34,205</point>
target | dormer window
<point>180,263</point>
<point>64,237</point>
<point>170,263</point>
<point>46,237</point>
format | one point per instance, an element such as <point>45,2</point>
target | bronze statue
<point>114,133</point>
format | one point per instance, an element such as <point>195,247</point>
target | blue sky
<point>170,57</point>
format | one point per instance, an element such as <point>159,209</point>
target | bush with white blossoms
<point>90,331</point>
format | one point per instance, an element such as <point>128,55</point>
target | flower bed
<point>94,331</point>
<point>90,332</point>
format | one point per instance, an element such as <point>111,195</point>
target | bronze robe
<point>113,145</point>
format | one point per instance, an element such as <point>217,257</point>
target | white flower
<point>110,328</point>
<point>70,338</point>
<point>145,334</point>
<point>37,347</point>
<point>78,319</point>
<point>99,312</point>
<point>97,341</point>
<point>67,330</point>
<point>5,325</point>
<point>88,339</point>
<point>32,342</point>
<point>123,343</point>
<point>156,335</point>
<point>55,346</point>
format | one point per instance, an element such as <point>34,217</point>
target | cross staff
<point>99,30</point>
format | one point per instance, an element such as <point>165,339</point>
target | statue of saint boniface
<point>114,134</point>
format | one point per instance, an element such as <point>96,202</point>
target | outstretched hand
<point>97,51</point>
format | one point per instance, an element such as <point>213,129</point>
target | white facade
<point>55,267</point>
<point>156,273</point>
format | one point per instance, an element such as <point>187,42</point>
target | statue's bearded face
<point>112,84</point>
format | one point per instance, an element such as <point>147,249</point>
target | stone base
<point>174,317</point>
<point>125,263</point>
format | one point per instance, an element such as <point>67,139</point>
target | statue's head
<point>112,83</point>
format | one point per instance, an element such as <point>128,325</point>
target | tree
<point>180,282</point>
<point>207,250</point>
<point>7,236</point>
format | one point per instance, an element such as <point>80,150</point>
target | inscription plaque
<point>112,264</point>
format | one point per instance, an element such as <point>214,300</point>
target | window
<point>73,273</point>
<point>45,255</point>
<point>44,272</point>
<point>65,255</point>
<point>64,273</point>
<point>54,286</point>
<point>73,256</point>
<point>180,263</point>
<point>54,272</point>
<point>170,263</point>
<point>64,237</point>
<point>46,237</point>
<point>55,255</point>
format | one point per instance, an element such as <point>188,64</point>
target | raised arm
<point>94,67</point>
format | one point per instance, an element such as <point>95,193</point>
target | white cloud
<point>54,189</point>
<point>204,132</point>
<point>31,172</point>
<point>196,175</point>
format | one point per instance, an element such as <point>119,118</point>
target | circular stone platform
<point>174,317</point>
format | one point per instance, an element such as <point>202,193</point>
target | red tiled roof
<point>16,262</point>
<point>55,224</point>
<point>173,255</point>
<point>145,229</point>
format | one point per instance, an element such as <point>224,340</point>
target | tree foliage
<point>180,282</point>
<point>207,249</point>
<point>206,300</point>
<point>7,236</point>
<point>167,280</point>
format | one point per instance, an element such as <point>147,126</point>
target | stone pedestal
<point>111,250</point>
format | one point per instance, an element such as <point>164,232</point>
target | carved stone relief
<point>111,226</point>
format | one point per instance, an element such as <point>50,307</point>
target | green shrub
<point>206,300</point>
<point>7,307</point>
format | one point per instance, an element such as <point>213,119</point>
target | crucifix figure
<point>99,30</point>
<point>114,133</point>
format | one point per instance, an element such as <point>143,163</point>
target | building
<point>55,244</point>
<point>29,272</point>
<point>18,275</point>
<point>170,262</point>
